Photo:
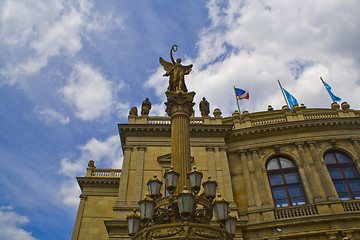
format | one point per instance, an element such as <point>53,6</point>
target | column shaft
<point>124,178</point>
<point>248,182</point>
<point>139,175</point>
<point>260,179</point>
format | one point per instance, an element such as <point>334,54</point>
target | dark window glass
<point>344,174</point>
<point>285,183</point>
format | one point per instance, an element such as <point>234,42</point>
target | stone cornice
<point>296,126</point>
<point>110,182</point>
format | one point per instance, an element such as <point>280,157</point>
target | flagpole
<point>326,88</point>
<point>237,101</point>
<point>282,91</point>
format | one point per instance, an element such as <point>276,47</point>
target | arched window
<point>285,182</point>
<point>344,174</point>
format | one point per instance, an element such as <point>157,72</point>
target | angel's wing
<point>166,65</point>
<point>188,69</point>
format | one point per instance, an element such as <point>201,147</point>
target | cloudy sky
<point>71,70</point>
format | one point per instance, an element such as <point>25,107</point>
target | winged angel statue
<point>176,72</point>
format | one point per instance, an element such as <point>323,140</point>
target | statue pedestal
<point>179,107</point>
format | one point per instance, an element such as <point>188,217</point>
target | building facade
<point>287,174</point>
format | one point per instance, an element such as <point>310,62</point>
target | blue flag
<point>328,88</point>
<point>290,98</point>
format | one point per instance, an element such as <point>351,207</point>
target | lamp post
<point>154,186</point>
<point>210,187</point>
<point>171,179</point>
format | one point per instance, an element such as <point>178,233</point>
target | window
<point>344,175</point>
<point>285,182</point>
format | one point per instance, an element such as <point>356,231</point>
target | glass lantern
<point>221,208</point>
<point>154,186</point>
<point>186,202</point>
<point>210,187</point>
<point>147,208</point>
<point>133,222</point>
<point>195,180</point>
<point>171,178</point>
<point>230,225</point>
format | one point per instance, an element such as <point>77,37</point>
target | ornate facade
<point>287,174</point>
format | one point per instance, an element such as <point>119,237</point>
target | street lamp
<point>133,222</point>
<point>195,180</point>
<point>221,208</point>
<point>210,188</point>
<point>171,179</point>
<point>147,208</point>
<point>154,186</point>
<point>230,225</point>
<point>186,203</point>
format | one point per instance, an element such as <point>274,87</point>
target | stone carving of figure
<point>133,111</point>
<point>145,107</point>
<point>204,107</point>
<point>176,72</point>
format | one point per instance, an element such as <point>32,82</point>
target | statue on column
<point>176,72</point>
<point>145,107</point>
<point>204,107</point>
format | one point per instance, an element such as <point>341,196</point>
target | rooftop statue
<point>176,72</point>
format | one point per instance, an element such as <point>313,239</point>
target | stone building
<point>287,174</point>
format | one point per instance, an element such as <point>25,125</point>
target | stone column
<point>356,145</point>
<point>123,186</point>
<point>308,174</point>
<point>321,169</point>
<point>179,107</point>
<point>139,175</point>
<point>211,162</point>
<point>247,180</point>
<point>260,178</point>
<point>226,175</point>
<point>79,216</point>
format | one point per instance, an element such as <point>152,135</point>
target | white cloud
<point>106,154</point>
<point>89,92</point>
<point>34,32</point>
<point>252,44</point>
<point>10,225</point>
<point>49,115</point>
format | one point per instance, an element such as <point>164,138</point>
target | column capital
<point>354,139</point>
<point>252,150</point>
<point>141,147</point>
<point>83,196</point>
<point>179,103</point>
<point>276,147</point>
<point>299,144</point>
<point>210,148</point>
<point>243,151</point>
<point>128,147</point>
<point>311,142</point>
<point>332,141</point>
<point>223,148</point>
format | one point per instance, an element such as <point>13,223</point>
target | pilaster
<point>139,175</point>
<point>312,192</point>
<point>123,186</point>
<point>247,180</point>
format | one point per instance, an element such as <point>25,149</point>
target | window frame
<point>281,172</point>
<point>341,166</point>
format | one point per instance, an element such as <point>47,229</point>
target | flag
<point>328,88</point>
<point>290,98</point>
<point>241,94</point>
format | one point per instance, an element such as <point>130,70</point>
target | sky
<point>71,70</point>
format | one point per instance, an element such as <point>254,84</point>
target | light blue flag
<point>290,98</point>
<point>328,88</point>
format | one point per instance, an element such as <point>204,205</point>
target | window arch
<point>344,174</point>
<point>285,183</point>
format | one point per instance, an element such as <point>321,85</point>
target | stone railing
<point>295,211</point>
<point>104,172</point>
<point>270,120</point>
<point>351,206</point>
<point>246,120</point>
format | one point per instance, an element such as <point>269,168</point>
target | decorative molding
<point>141,147</point>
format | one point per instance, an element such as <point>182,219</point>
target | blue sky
<point>71,70</point>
